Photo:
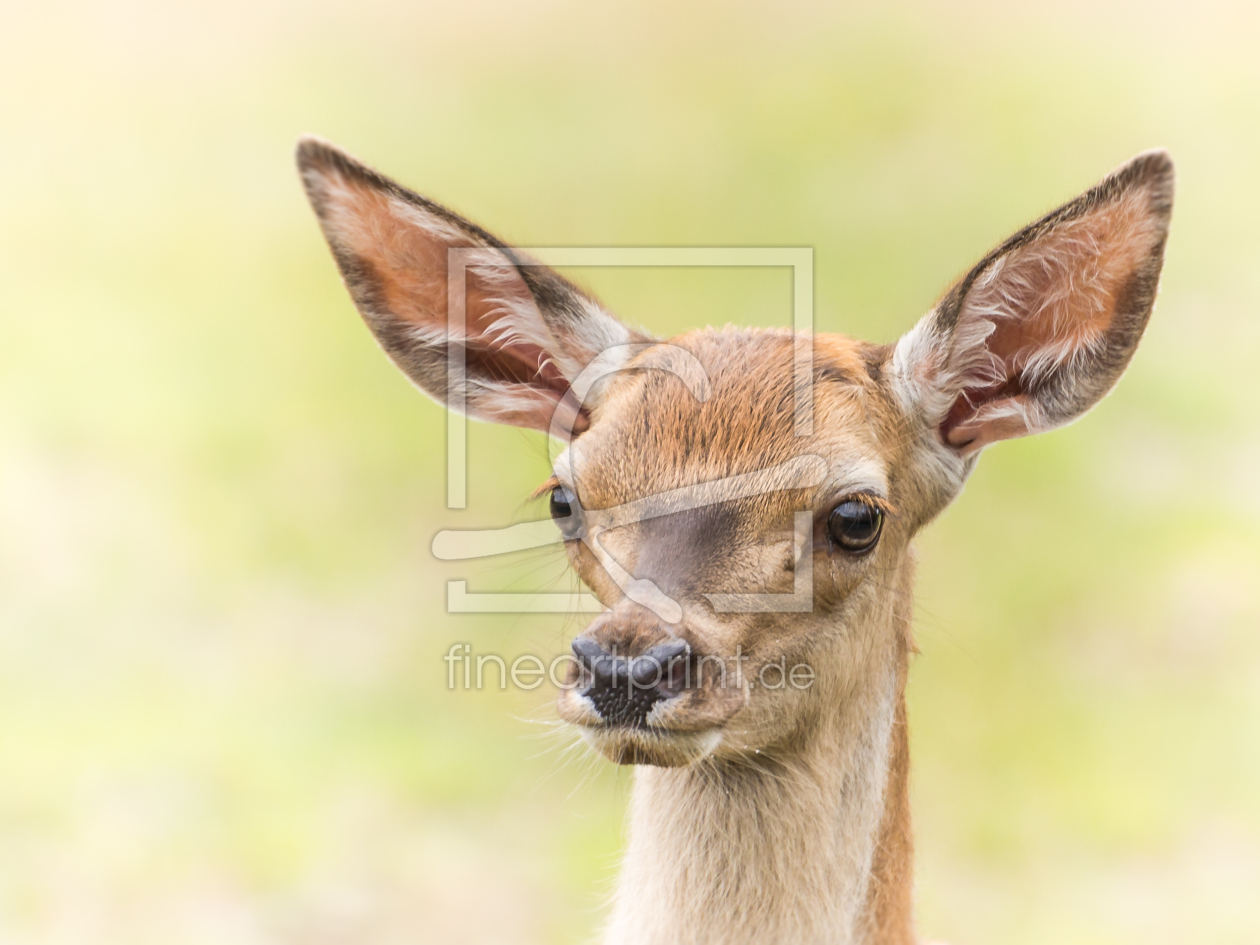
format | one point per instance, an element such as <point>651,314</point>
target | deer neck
<point>806,845</point>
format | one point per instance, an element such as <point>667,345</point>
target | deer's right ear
<point>1041,328</point>
<point>525,331</point>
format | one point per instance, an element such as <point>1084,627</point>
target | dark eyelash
<point>871,499</point>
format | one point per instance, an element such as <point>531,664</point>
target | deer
<point>705,477</point>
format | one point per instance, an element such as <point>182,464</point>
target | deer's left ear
<point>1045,324</point>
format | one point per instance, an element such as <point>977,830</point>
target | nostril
<point>666,653</point>
<point>604,666</point>
<point>653,666</point>
<point>588,652</point>
<point>646,671</point>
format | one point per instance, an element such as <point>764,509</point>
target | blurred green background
<point>223,713</point>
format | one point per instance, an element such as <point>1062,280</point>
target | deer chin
<point>659,747</point>
<point>680,731</point>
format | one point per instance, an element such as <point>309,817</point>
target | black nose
<point>624,689</point>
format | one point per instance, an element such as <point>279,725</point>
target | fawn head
<point>749,550</point>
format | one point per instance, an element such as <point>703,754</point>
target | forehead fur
<point>650,434</point>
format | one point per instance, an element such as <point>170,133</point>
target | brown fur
<point>761,813</point>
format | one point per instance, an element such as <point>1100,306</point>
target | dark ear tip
<point>1156,164</point>
<point>313,152</point>
<point>318,160</point>
<point>317,157</point>
<point>1153,169</point>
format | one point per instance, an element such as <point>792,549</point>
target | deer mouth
<point>660,747</point>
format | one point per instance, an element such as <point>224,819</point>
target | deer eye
<point>855,526</point>
<point>562,505</point>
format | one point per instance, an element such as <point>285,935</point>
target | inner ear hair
<point>521,331</point>
<point>1041,328</point>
